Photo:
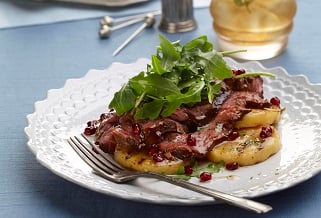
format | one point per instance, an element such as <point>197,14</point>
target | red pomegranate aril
<point>232,166</point>
<point>191,141</point>
<point>136,129</point>
<point>275,101</point>
<point>158,157</point>
<point>205,176</point>
<point>238,72</point>
<point>266,131</point>
<point>233,135</point>
<point>91,123</point>
<point>188,170</point>
<point>154,149</point>
<point>90,130</point>
<point>103,117</point>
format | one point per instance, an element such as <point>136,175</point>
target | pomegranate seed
<point>158,157</point>
<point>136,129</point>
<point>275,101</point>
<point>103,117</point>
<point>233,135</point>
<point>90,130</point>
<point>238,72</point>
<point>91,123</point>
<point>154,149</point>
<point>188,170</point>
<point>232,166</point>
<point>191,141</point>
<point>266,131</point>
<point>205,176</point>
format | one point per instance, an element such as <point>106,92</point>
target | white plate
<point>65,112</point>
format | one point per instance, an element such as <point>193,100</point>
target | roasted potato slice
<point>248,148</point>
<point>141,161</point>
<point>259,117</point>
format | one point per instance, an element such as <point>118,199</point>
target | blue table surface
<point>34,59</point>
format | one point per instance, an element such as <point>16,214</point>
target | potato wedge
<point>247,149</point>
<point>260,117</point>
<point>141,161</point>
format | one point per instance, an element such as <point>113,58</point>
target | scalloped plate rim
<point>39,104</point>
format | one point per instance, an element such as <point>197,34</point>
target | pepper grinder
<point>177,16</point>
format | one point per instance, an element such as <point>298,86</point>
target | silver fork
<point>104,165</point>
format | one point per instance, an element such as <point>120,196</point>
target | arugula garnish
<point>178,74</point>
<point>197,170</point>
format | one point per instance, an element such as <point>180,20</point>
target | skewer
<point>107,20</point>
<point>149,22</point>
<point>106,30</point>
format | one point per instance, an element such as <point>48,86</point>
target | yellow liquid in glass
<point>262,27</point>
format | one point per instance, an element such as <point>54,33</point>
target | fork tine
<point>91,159</point>
<point>101,161</point>
<point>107,157</point>
<point>101,168</point>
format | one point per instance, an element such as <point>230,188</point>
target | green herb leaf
<point>198,169</point>
<point>124,100</point>
<point>170,54</point>
<point>157,67</point>
<point>150,110</point>
<point>153,85</point>
<point>180,170</point>
<point>178,75</point>
<point>255,74</point>
<point>182,177</point>
<point>170,108</point>
<point>210,167</point>
<point>212,90</point>
<point>193,94</point>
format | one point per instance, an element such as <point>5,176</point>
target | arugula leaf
<point>170,108</point>
<point>255,74</point>
<point>199,43</point>
<point>198,170</point>
<point>193,94</point>
<point>208,62</point>
<point>212,90</point>
<point>157,67</point>
<point>210,167</point>
<point>124,100</point>
<point>150,110</point>
<point>180,170</point>
<point>170,54</point>
<point>153,85</point>
<point>178,75</point>
<point>215,66</point>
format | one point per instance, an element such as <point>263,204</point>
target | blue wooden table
<point>36,58</point>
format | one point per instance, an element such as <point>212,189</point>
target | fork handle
<point>230,199</point>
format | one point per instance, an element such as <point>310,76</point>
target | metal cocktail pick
<point>106,30</point>
<point>107,20</point>
<point>149,22</point>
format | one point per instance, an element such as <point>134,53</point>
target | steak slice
<point>124,132</point>
<point>206,124</point>
<point>155,130</point>
<point>217,130</point>
<point>117,136</point>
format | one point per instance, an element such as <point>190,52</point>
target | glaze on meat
<point>203,124</point>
